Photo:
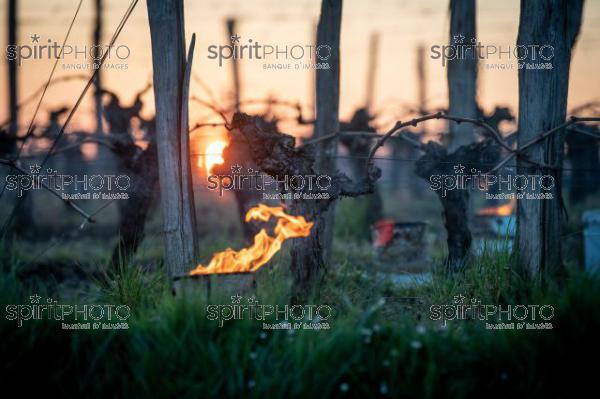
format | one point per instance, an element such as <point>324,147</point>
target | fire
<point>264,247</point>
<point>502,210</point>
<point>213,155</point>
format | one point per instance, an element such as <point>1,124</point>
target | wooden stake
<point>169,64</point>
<point>328,98</point>
<point>543,104</point>
<point>462,73</point>
<point>235,65</point>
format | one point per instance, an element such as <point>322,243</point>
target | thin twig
<point>206,124</point>
<point>68,233</point>
<point>414,122</point>
<point>87,140</point>
<point>31,126</point>
<point>479,122</point>
<point>494,134</point>
<point>116,34</point>
<point>212,107</point>
<point>572,120</point>
<point>39,103</point>
<point>585,106</point>
<point>358,133</point>
<point>39,90</point>
<point>206,88</point>
<point>399,125</point>
<point>586,133</point>
<point>67,201</point>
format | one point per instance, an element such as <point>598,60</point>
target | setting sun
<point>213,155</point>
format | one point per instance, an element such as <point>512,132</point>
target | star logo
<point>458,39</point>
<point>459,298</point>
<point>236,299</point>
<point>236,168</point>
<point>235,39</point>
<point>459,168</point>
<point>35,38</point>
<point>35,298</point>
<point>35,168</point>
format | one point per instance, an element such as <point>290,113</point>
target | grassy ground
<point>381,341</point>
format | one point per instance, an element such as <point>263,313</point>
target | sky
<point>402,25</point>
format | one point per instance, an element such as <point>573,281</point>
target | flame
<point>502,210</point>
<point>264,247</point>
<point>213,155</point>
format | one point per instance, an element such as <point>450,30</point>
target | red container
<point>399,241</point>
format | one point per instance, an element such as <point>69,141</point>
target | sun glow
<point>213,155</point>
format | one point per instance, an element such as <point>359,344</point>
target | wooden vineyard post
<point>170,97</point>
<point>543,105</point>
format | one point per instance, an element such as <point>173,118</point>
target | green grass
<point>379,344</point>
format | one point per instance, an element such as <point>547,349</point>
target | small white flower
<point>421,329</point>
<point>251,384</point>
<point>344,387</point>
<point>383,388</point>
<point>262,335</point>
<point>416,344</point>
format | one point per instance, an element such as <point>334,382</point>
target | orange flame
<point>502,210</point>
<point>264,247</point>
